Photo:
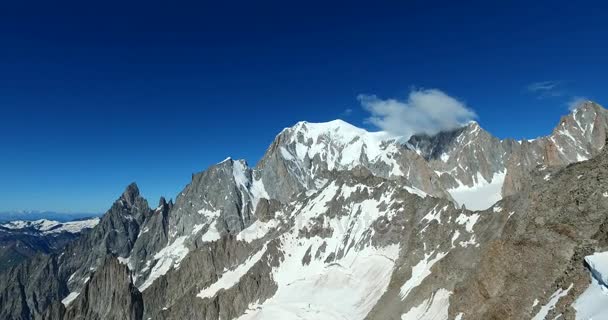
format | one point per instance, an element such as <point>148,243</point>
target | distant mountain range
<point>50,215</point>
<point>21,239</point>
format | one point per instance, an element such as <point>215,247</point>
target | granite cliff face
<point>336,222</point>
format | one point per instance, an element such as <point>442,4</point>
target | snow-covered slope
<point>340,145</point>
<point>593,303</point>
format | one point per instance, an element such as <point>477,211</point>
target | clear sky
<point>95,95</point>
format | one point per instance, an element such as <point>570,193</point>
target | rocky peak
<point>304,156</point>
<point>130,194</point>
<point>162,202</point>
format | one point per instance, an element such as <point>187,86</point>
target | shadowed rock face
<point>335,223</point>
<point>109,294</point>
<point>18,246</point>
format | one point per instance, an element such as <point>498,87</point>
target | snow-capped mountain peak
<point>50,226</point>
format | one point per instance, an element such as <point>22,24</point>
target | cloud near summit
<point>425,111</point>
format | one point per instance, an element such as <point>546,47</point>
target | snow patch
<point>468,221</point>
<point>169,257</point>
<point>419,272</point>
<point>593,302</point>
<point>256,230</point>
<point>212,233</point>
<point>416,191</point>
<point>231,277</point>
<point>455,237</point>
<point>239,170</point>
<point>544,310</point>
<point>482,194</point>
<point>70,297</point>
<point>598,264</point>
<point>535,303</point>
<point>434,308</point>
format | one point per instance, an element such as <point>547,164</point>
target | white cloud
<point>425,111</point>
<point>575,102</point>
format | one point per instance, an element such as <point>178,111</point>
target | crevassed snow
<point>169,257</point>
<point>593,302</point>
<point>419,272</point>
<point>434,308</point>
<point>231,277</point>
<point>346,289</point>
<point>481,195</point>
<point>544,310</point>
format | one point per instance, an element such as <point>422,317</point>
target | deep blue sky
<point>94,96</point>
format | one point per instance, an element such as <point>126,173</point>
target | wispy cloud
<point>545,89</point>
<point>425,111</point>
<point>347,112</point>
<point>574,102</point>
<point>556,89</point>
<point>543,86</point>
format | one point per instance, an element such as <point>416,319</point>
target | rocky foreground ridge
<point>339,223</point>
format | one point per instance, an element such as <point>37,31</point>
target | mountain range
<point>31,215</point>
<point>21,239</point>
<point>336,222</point>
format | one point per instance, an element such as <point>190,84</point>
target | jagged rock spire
<point>130,194</point>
